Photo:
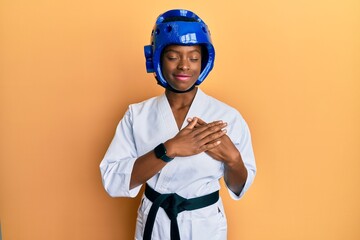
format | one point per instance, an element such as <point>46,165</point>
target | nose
<point>183,65</point>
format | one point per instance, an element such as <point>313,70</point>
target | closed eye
<point>172,58</point>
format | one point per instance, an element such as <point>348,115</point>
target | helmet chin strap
<point>168,87</point>
<point>177,91</point>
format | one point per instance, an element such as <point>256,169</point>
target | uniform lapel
<point>196,108</point>
<point>165,111</point>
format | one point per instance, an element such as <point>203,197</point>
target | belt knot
<point>173,205</point>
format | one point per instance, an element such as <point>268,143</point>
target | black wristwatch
<point>160,152</point>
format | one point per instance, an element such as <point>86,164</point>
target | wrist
<point>170,150</point>
<point>161,153</point>
<point>234,160</point>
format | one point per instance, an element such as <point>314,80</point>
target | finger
<point>210,139</point>
<point>208,129</point>
<point>210,146</point>
<point>192,124</point>
<point>197,124</point>
<point>201,122</point>
<point>213,137</point>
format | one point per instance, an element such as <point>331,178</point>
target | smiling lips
<point>182,77</point>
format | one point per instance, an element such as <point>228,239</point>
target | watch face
<point>160,152</point>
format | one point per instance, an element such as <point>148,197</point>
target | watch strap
<point>160,152</point>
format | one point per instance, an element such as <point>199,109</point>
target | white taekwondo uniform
<point>151,122</point>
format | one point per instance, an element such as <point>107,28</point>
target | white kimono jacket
<point>149,123</point>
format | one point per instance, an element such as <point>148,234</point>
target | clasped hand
<point>199,136</point>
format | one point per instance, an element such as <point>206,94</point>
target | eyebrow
<point>173,50</point>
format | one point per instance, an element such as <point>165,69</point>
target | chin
<point>181,88</point>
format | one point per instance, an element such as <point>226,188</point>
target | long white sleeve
<point>118,162</point>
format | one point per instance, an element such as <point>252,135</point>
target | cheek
<point>165,69</point>
<point>198,68</point>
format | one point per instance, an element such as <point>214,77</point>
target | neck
<point>180,100</point>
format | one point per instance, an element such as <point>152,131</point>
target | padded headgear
<point>179,32</point>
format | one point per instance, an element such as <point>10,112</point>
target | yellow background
<point>69,69</point>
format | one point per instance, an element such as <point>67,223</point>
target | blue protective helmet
<point>178,32</point>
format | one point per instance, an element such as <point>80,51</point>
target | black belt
<point>173,204</point>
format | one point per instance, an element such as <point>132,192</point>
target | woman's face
<point>181,66</point>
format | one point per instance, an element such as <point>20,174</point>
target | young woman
<point>179,144</point>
